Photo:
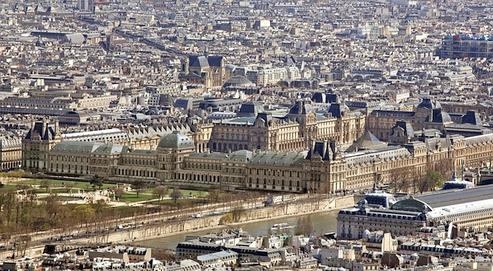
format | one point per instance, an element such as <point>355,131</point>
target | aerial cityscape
<point>183,135</point>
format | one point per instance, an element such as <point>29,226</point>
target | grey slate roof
<point>338,109</point>
<point>323,150</point>
<point>301,107</point>
<point>366,142</point>
<point>439,116</point>
<point>250,109</point>
<point>204,62</point>
<point>428,103</point>
<point>7,141</point>
<point>279,158</point>
<point>215,61</point>
<point>471,117</point>
<point>110,149</point>
<point>237,81</point>
<point>76,146</point>
<point>452,197</point>
<point>239,156</point>
<point>406,127</point>
<point>198,61</point>
<point>175,140</point>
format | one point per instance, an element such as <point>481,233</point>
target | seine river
<point>322,222</point>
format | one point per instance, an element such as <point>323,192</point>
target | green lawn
<point>63,183</point>
<point>59,186</point>
<point>192,193</point>
<point>8,187</point>
<point>132,197</point>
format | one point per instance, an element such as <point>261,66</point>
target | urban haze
<point>183,135</point>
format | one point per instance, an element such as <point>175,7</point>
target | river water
<point>322,222</point>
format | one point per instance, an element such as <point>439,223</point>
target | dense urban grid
<point>128,120</point>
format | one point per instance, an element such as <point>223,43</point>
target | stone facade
<point>42,138</point>
<point>296,131</point>
<point>10,152</point>
<point>458,211</point>
<point>324,168</point>
<point>206,70</point>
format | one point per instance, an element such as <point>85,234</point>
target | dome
<point>175,140</point>
<point>238,81</point>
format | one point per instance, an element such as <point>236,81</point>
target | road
<point>97,232</point>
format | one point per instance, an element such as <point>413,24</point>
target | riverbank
<point>142,232</point>
<point>323,222</point>
<point>211,223</point>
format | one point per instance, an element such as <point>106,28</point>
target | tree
<point>98,207</point>
<point>45,184</point>
<point>237,213</point>
<point>175,195</point>
<point>214,195</point>
<point>430,181</point>
<point>160,191</point>
<point>138,187</point>
<point>52,206</point>
<point>435,179</point>
<point>400,179</point>
<point>85,213</point>
<point>96,181</point>
<point>118,193</point>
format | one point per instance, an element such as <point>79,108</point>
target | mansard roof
<point>271,158</point>
<point>406,127</point>
<point>241,156</point>
<point>83,147</point>
<point>370,156</point>
<point>7,141</point>
<point>110,149</point>
<point>141,132</point>
<point>366,142</point>
<point>175,140</point>
<point>205,61</point>
<point>487,138</point>
<point>439,116</point>
<point>301,107</point>
<point>471,117</point>
<point>426,102</point>
<point>250,109</point>
<point>337,110</point>
<point>238,156</point>
<point>198,61</point>
<point>324,150</point>
<point>393,113</point>
<point>42,130</point>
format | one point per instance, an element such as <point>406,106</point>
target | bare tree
<point>175,195</point>
<point>398,180</point>
<point>160,191</point>
<point>138,187</point>
<point>118,192</point>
